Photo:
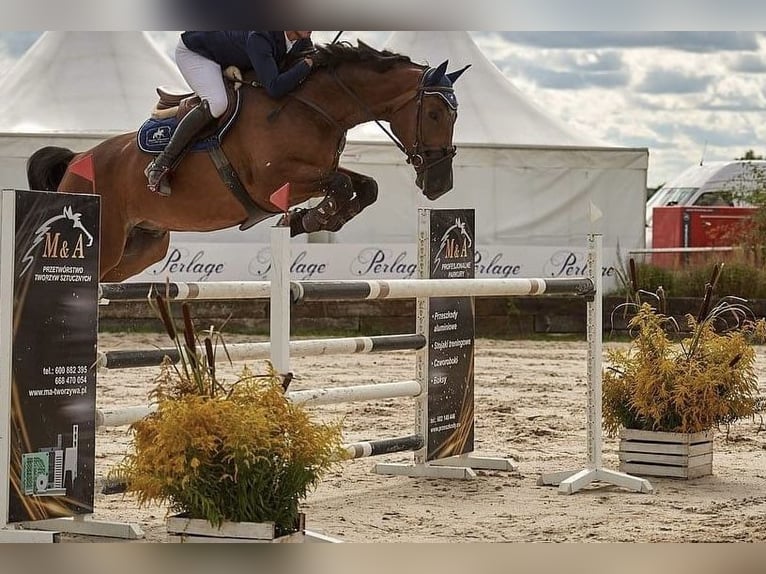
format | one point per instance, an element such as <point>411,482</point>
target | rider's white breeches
<point>204,77</point>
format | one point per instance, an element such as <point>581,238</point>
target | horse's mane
<point>333,55</point>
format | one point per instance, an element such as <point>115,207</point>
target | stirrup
<point>157,179</point>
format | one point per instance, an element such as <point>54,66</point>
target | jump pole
<point>128,359</point>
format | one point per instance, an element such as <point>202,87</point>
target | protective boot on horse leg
<point>365,194</point>
<point>186,130</point>
<point>327,215</point>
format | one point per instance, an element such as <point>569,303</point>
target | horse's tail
<point>47,166</point>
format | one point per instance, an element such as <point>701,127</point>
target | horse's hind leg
<point>142,249</point>
<point>348,194</point>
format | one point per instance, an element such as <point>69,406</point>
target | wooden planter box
<point>677,455</point>
<point>182,529</point>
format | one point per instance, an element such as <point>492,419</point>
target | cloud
<point>565,70</point>
<point>739,137</point>
<point>665,81</point>
<point>749,64</point>
<point>703,42</point>
<point>731,105</point>
<point>564,80</point>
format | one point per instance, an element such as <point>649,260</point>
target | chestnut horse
<point>296,139</point>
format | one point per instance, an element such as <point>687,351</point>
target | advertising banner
<point>336,261</point>
<point>52,334</point>
<point>451,337</point>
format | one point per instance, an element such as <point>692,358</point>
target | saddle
<point>175,104</point>
<point>172,106</point>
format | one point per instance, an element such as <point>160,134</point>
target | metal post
<point>7,257</point>
<point>595,348</point>
<point>279,314</point>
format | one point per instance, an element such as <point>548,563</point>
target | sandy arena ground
<point>530,405</point>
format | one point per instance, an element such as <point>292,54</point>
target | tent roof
<point>84,82</point>
<point>492,110</point>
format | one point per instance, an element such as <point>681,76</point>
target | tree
<point>750,154</point>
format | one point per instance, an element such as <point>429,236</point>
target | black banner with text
<point>451,337</point>
<point>53,390</point>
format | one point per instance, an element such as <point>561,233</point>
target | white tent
<point>74,89</point>
<point>530,177</point>
<point>535,185</point>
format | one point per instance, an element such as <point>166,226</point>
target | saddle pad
<point>154,135</point>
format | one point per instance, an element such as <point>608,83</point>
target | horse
<point>297,139</point>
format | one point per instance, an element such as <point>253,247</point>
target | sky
<point>686,96</point>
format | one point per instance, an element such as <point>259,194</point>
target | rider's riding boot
<point>191,124</point>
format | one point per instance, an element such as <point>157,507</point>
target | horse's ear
<point>436,74</point>
<point>453,76</point>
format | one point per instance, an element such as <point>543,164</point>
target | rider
<point>201,56</point>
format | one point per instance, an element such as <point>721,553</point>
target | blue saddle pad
<point>154,135</point>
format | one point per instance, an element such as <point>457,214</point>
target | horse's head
<point>425,126</point>
<point>418,102</point>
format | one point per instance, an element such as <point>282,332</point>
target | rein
<point>369,114</point>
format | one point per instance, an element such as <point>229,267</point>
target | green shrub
<point>658,384</point>
<point>703,379</point>
<point>747,281</point>
<point>239,452</point>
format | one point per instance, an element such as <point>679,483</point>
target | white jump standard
<point>572,481</point>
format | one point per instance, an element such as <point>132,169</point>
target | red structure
<point>695,226</point>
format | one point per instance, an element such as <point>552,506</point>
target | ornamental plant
<point>678,379</point>
<point>217,451</point>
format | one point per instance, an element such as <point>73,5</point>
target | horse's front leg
<point>326,215</point>
<point>347,194</point>
<point>365,193</point>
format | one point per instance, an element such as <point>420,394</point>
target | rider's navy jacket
<point>248,50</point>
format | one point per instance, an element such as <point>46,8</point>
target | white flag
<point>594,213</point>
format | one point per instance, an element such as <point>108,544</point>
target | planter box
<point>182,529</point>
<point>677,455</point>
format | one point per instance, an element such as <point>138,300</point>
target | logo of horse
<point>160,134</point>
<point>41,232</point>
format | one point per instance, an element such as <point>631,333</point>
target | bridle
<point>420,156</point>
